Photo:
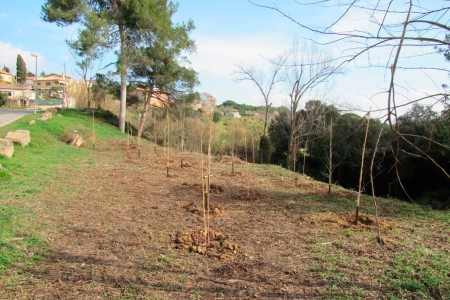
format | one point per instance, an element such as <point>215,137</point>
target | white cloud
<point>218,55</point>
<point>9,58</point>
<point>18,31</point>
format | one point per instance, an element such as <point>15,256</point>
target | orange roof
<point>6,73</point>
<point>5,85</point>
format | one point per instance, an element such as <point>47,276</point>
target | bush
<point>217,116</point>
<point>3,99</point>
<point>439,199</point>
<point>265,148</point>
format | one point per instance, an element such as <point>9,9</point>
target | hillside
<point>104,222</point>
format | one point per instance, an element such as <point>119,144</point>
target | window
<point>9,94</point>
<point>48,84</point>
<point>39,83</point>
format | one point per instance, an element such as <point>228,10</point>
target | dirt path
<point>112,228</point>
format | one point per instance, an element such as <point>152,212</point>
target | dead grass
<point>118,228</point>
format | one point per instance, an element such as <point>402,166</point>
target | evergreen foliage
<point>217,116</point>
<point>21,68</point>
<point>422,180</point>
<point>265,148</point>
<point>127,25</point>
<point>3,99</point>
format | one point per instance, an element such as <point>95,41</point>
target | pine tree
<point>21,68</point>
<point>128,23</point>
<point>5,68</point>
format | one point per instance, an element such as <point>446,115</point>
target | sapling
<point>168,141</point>
<point>203,185</point>
<point>253,148</point>
<point>208,185</point>
<point>375,203</point>
<point>246,162</point>
<point>330,167</point>
<point>182,140</point>
<point>93,130</point>
<point>361,171</point>
<point>154,128</point>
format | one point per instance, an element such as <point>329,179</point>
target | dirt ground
<point>118,227</point>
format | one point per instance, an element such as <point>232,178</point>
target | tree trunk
<point>304,156</point>
<point>265,119</point>
<point>88,96</point>
<point>123,80</point>
<point>144,113</point>
<point>290,156</point>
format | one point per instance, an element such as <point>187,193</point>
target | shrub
<point>3,99</point>
<point>265,149</point>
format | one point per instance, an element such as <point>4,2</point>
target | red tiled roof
<point>9,86</point>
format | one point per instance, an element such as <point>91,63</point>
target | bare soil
<point>117,227</point>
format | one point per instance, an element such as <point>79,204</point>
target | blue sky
<point>227,32</point>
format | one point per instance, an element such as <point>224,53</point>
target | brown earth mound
<point>213,188</point>
<point>251,195</point>
<point>198,209</point>
<point>345,220</point>
<point>219,245</point>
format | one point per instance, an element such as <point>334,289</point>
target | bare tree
<point>208,103</point>
<point>406,34</point>
<point>263,81</point>
<point>307,73</point>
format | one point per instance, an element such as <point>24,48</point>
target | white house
<point>17,93</point>
<point>233,114</point>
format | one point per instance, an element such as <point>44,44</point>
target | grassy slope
<point>33,167</point>
<point>420,271</point>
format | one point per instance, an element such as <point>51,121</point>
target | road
<point>10,115</point>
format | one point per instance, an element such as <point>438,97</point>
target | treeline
<point>243,108</point>
<point>412,165</point>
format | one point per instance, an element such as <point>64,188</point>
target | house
<point>20,94</point>
<point>196,105</point>
<point>7,77</point>
<point>46,83</point>
<point>251,113</point>
<point>159,98</point>
<point>233,114</point>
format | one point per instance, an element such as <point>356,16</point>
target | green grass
<point>422,271</point>
<point>17,242</point>
<point>34,167</point>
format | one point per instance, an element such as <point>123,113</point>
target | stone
<point>47,115</point>
<point>6,147</point>
<point>77,141</point>
<point>21,137</point>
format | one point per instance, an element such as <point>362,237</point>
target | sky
<point>227,32</point>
